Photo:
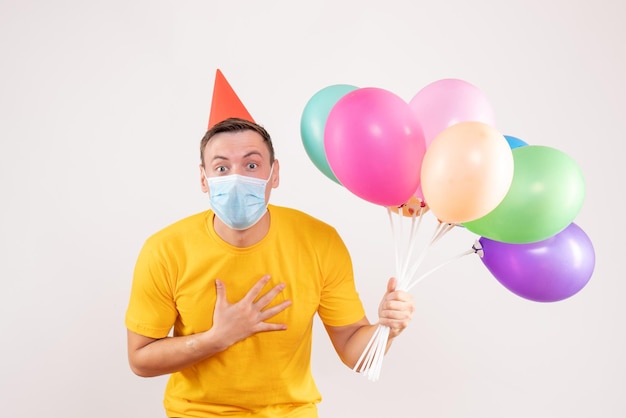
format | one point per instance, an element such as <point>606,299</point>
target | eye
<point>220,169</point>
<point>252,166</point>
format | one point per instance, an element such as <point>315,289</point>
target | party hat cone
<point>225,103</point>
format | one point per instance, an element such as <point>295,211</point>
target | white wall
<point>102,105</point>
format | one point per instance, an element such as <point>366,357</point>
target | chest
<point>195,295</point>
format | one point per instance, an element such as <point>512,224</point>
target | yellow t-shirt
<point>269,373</point>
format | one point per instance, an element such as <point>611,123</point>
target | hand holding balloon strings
<point>370,361</point>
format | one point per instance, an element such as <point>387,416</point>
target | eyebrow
<point>251,153</point>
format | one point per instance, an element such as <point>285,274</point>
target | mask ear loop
<point>206,179</point>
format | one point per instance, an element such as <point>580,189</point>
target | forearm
<point>358,342</point>
<point>350,345</point>
<point>172,354</point>
<point>394,313</point>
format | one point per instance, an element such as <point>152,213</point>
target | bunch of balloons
<point>442,149</point>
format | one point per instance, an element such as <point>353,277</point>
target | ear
<point>275,180</point>
<point>204,186</point>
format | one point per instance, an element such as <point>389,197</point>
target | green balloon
<point>313,122</point>
<point>546,194</point>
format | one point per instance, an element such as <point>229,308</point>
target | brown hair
<point>236,125</point>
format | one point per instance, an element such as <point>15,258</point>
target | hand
<point>233,322</point>
<point>396,309</point>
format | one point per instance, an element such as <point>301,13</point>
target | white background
<point>103,104</point>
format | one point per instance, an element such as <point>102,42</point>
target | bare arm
<point>153,357</point>
<point>395,311</point>
<point>231,323</point>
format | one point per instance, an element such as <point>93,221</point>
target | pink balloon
<point>374,145</point>
<point>419,193</point>
<point>446,102</point>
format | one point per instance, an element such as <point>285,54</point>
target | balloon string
<point>440,230</point>
<point>400,254</point>
<point>434,269</point>
<point>415,227</point>
<point>395,239</point>
<point>366,355</point>
<point>371,359</point>
<point>373,372</point>
<point>443,228</point>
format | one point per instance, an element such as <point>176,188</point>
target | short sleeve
<point>340,303</point>
<point>151,310</point>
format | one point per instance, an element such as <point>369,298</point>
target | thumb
<point>220,290</point>
<point>391,284</point>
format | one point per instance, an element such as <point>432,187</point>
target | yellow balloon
<point>411,208</point>
<point>466,172</point>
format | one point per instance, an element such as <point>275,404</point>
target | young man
<point>240,285</point>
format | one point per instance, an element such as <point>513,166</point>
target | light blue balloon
<point>514,142</point>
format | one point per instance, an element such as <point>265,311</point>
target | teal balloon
<point>313,122</point>
<point>546,194</point>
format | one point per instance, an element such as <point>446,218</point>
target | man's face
<point>244,153</point>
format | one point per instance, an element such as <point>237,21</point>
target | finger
<point>402,312</point>
<point>400,296</point>
<point>397,305</point>
<point>274,310</point>
<point>397,296</point>
<point>267,298</point>
<point>220,290</point>
<point>266,326</point>
<point>395,324</point>
<point>254,292</point>
<point>404,296</point>
<point>391,284</point>
<point>396,320</point>
<point>395,329</point>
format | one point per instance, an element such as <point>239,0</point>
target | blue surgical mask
<point>238,201</point>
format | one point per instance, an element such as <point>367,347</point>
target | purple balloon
<point>544,271</point>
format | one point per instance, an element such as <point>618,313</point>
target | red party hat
<point>226,103</point>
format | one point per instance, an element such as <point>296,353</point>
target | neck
<point>243,238</point>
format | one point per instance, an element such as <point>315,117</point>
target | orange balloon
<point>411,207</point>
<point>466,172</point>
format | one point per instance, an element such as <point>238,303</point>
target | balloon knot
<point>478,249</point>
